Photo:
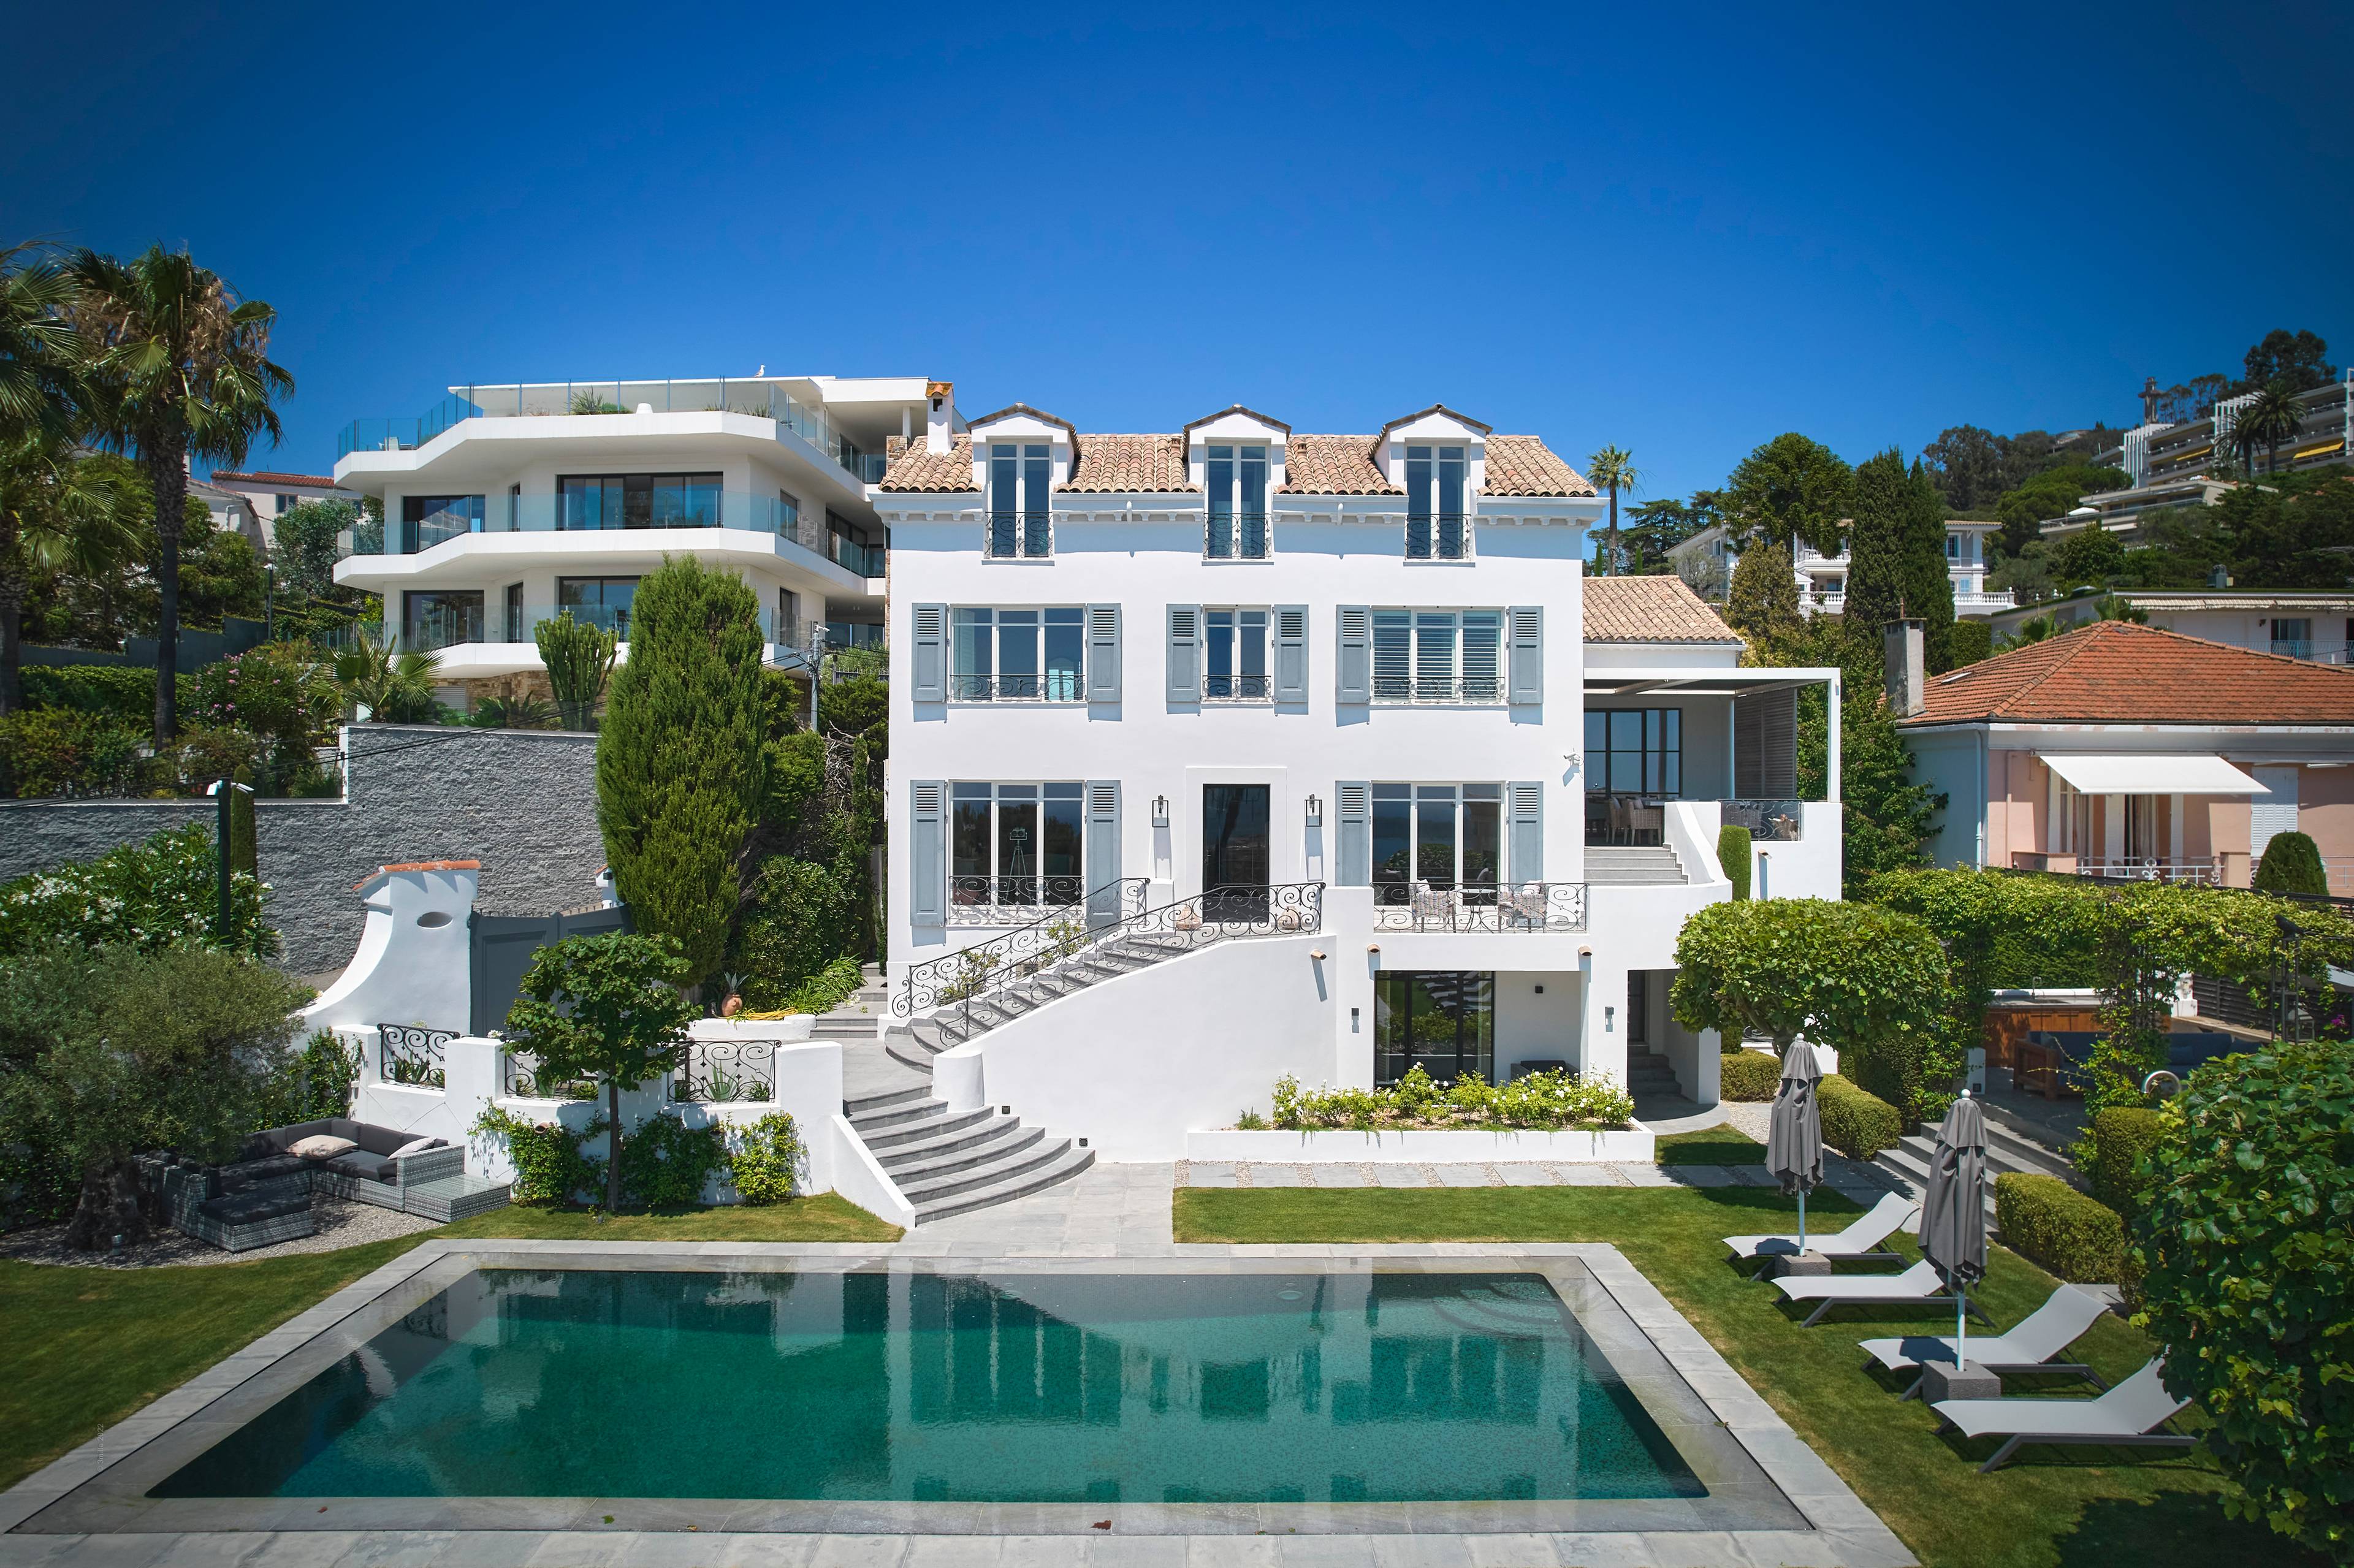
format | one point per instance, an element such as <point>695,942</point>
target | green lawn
<point>1723,1144</point>
<point>86,1347</point>
<point>2050,1509</point>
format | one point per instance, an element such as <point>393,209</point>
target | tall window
<point>600,602</point>
<point>429,520</point>
<point>1439,655</point>
<point>1017,655</point>
<point>638,501</point>
<point>516,631</point>
<point>1634,751</point>
<point>2293,638</point>
<point>1446,835</point>
<point>1433,503</point>
<point>1021,484</point>
<point>1236,667</point>
<point>1443,1021</point>
<point>1016,844</point>
<point>437,619</point>
<point>1237,524</point>
<point>789,516</point>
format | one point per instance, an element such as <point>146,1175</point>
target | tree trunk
<point>613,1147</point>
<point>11,622</point>
<point>1613,570</point>
<point>169,481</point>
<point>109,1208</point>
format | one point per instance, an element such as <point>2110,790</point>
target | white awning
<point>2151,773</point>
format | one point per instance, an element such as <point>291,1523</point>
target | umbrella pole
<point>1802,1222</point>
<point>1961,1328</point>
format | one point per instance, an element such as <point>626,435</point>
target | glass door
<point>1234,857</point>
<point>1442,1021</point>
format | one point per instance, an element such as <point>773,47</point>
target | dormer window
<point>1433,503</point>
<point>1236,481</point>
<point>1020,480</point>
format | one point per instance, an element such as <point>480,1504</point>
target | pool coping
<point>1840,1530</point>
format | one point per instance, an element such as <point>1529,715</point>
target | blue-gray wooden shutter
<point>1102,853</point>
<point>1103,653</point>
<point>1355,661</point>
<point>1526,802</point>
<point>1526,625</point>
<point>1184,663</point>
<point>1356,861</point>
<point>1290,652</point>
<point>931,653</point>
<point>927,858</point>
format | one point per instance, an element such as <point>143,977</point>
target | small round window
<point>433,918</point>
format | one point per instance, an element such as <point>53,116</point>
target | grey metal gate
<point>505,944</point>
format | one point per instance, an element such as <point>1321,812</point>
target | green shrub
<point>2122,1136</point>
<point>315,1082</point>
<point>1250,1121</point>
<point>666,1164</point>
<point>2291,863</point>
<point>2245,1250</point>
<point>146,895</point>
<point>124,691</point>
<point>66,751</point>
<point>1748,1075</point>
<point>276,691</point>
<point>2074,1236</point>
<point>1546,1100</point>
<point>1733,855</point>
<point>801,916</point>
<point>767,1163</point>
<point>1858,1125</point>
<point>828,989</point>
<point>549,1168</point>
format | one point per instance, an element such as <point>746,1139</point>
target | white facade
<point>509,504</point>
<point>1188,697</point>
<point>1822,579</point>
<point>252,503</point>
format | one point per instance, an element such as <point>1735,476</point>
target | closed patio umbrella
<point>1953,1212</point>
<point>1794,1134</point>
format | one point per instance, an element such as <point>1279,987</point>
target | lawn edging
<point>1635,1145</point>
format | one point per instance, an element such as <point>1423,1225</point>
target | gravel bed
<point>342,1223</point>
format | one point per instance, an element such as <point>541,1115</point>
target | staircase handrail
<point>926,981</point>
<point>1213,915</point>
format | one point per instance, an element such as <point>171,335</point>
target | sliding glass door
<point>1442,1021</point>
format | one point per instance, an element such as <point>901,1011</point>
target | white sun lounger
<point>1916,1286</point>
<point>2029,1348</point>
<point>1862,1237</point>
<point>2126,1417</point>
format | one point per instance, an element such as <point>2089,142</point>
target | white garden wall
<point>1445,1146</point>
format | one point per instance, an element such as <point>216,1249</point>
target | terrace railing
<point>727,1072</point>
<point>412,1054</point>
<point>1019,900</point>
<point>1479,906</point>
<point>524,1081</point>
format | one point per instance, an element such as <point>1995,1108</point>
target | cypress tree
<point>1763,599</point>
<point>681,758</point>
<point>1879,587</point>
<point>1929,583</point>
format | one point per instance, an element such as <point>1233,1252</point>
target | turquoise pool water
<point>1046,1388</point>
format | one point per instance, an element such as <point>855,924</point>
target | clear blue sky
<point>1684,232</point>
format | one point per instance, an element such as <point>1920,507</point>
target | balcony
<point>1443,537</point>
<point>560,514</point>
<point>760,399</point>
<point>1526,908</point>
<point>1437,690</point>
<point>1014,900</point>
<point>450,626</point>
<point>1053,686</point>
<point>1235,536</point>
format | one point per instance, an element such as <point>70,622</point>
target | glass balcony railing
<point>760,399</point>
<point>452,626</point>
<point>554,514</point>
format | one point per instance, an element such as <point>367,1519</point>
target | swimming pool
<point>906,1386</point>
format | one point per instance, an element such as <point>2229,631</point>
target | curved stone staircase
<point>915,1044</point>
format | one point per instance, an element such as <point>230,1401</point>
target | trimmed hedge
<point>1749,1075</point>
<point>2291,863</point>
<point>1856,1123</point>
<point>1733,857</point>
<point>2074,1236</point>
<point>2122,1135</point>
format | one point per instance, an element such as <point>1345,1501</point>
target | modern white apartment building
<point>1235,752</point>
<point>1822,579</point>
<point>506,505</point>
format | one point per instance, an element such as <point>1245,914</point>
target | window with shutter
<point>1527,622</point>
<point>927,855</point>
<point>1184,660</point>
<point>1527,802</point>
<point>1354,681</point>
<point>1103,653</point>
<point>931,627</point>
<point>1103,855</point>
<point>1291,654</point>
<point>1356,860</point>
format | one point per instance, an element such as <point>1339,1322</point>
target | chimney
<point>1901,662</point>
<point>940,397</point>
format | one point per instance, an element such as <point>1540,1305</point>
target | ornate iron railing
<point>1236,689</point>
<point>728,1072</point>
<point>1510,906</point>
<point>524,1081</point>
<point>1044,940</point>
<point>413,1054</point>
<point>1219,914</point>
<point>1053,686</point>
<point>1017,900</point>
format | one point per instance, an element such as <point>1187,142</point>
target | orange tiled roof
<point>913,468</point>
<point>305,480</point>
<point>1649,610</point>
<point>1151,464</point>
<point>1332,465</point>
<point>1524,465</point>
<point>2113,672</point>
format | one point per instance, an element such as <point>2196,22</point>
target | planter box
<point>1442,1145</point>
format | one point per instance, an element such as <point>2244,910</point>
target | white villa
<point>506,505</point>
<point>1322,749</point>
<point>1822,579</point>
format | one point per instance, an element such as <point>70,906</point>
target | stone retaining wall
<point>523,802</point>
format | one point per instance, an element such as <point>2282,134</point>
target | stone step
<point>1612,876</point>
<point>895,1124</point>
<point>1009,1139</point>
<point>1065,1166</point>
<point>1004,1167</point>
<point>903,1096</point>
<point>968,1132</point>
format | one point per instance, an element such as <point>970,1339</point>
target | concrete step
<point>1608,877</point>
<point>939,1123</point>
<point>997,1152</point>
<point>1062,1168</point>
<point>968,1133</point>
<point>1007,1166</point>
<point>843,1026</point>
<point>904,1097</point>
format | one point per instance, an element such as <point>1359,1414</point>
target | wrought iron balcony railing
<point>1438,689</point>
<point>1236,689</point>
<point>1011,900</point>
<point>1053,686</point>
<point>1487,906</point>
<point>727,1072</point>
<point>410,1054</point>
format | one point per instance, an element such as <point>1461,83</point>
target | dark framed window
<point>1634,751</point>
<point>440,619</point>
<point>427,520</point>
<point>1445,835</point>
<point>515,628</point>
<point>1235,666</point>
<point>1016,656</point>
<point>638,501</point>
<point>603,601</point>
<point>1435,478</point>
<point>1442,1021</point>
<point>1238,504</point>
<point>1021,483</point>
<point>1015,843</point>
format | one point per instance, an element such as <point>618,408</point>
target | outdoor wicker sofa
<point>371,1172</point>
<point>234,1208</point>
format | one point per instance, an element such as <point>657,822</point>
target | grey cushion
<point>364,1165</point>
<point>242,1211</point>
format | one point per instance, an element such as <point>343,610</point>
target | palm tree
<point>393,687</point>
<point>2273,415</point>
<point>180,369</point>
<point>55,511</point>
<point>1614,468</point>
<point>42,383</point>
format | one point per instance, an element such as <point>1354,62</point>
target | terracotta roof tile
<point>913,468</point>
<point>1109,465</point>
<point>1332,465</point>
<point>2115,671</point>
<point>1524,465</point>
<point>1648,609</point>
<point>305,480</point>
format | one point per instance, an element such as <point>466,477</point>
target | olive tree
<point>1864,981</point>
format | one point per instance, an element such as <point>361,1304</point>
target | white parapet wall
<point>414,963</point>
<point>1634,1144</point>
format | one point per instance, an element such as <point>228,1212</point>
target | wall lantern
<point>1315,813</point>
<point>1160,811</point>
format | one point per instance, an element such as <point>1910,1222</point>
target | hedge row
<point>2122,1136</point>
<point>1749,1075</point>
<point>1857,1124</point>
<point>2074,1236</point>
